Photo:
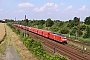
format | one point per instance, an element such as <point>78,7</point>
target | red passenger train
<point>44,33</point>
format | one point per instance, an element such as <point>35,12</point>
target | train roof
<point>47,30</point>
<point>58,34</point>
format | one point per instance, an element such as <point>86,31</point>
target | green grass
<point>86,40</point>
<point>3,44</point>
<point>81,39</point>
<point>3,47</point>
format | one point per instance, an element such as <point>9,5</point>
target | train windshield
<point>64,38</point>
<point>58,34</point>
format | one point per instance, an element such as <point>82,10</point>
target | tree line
<point>58,26</point>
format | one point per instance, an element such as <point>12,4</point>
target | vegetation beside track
<point>36,48</point>
<point>68,28</point>
<point>3,47</point>
<point>14,40</point>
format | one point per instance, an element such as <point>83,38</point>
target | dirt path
<point>11,54</point>
<point>14,43</point>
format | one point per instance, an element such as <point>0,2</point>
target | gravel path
<point>11,54</point>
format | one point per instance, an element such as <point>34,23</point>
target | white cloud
<point>69,7</point>
<point>1,9</point>
<point>49,4</point>
<point>46,6</point>
<point>83,8</point>
<point>39,9</point>
<point>55,6</point>
<point>62,3</point>
<point>25,5</point>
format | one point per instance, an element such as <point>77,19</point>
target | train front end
<point>64,40</point>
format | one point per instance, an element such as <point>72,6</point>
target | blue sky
<point>42,9</point>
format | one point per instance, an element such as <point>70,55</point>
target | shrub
<point>64,31</point>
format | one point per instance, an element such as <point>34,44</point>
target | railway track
<point>58,47</point>
<point>78,42</point>
<point>70,53</point>
<point>87,52</point>
<point>59,51</point>
<point>66,50</point>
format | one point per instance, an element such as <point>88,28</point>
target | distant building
<point>4,19</point>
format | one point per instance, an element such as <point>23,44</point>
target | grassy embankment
<point>14,40</point>
<point>2,38</point>
<point>2,41</point>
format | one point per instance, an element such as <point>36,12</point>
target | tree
<point>87,20</point>
<point>70,24</point>
<point>64,31</point>
<point>75,21</point>
<point>49,22</point>
<point>83,27</point>
<point>54,28</point>
<point>87,34</point>
<point>58,23</point>
<point>73,32</point>
<point>42,22</point>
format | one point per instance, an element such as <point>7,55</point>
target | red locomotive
<point>44,33</point>
<point>40,32</point>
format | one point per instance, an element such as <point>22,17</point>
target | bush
<point>54,29</point>
<point>87,34</point>
<point>40,26</point>
<point>73,32</point>
<point>83,27</point>
<point>64,31</point>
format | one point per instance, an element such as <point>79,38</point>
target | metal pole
<point>15,20</point>
<point>25,25</point>
<point>83,48</point>
<point>54,51</point>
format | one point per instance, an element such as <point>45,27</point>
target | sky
<point>63,10</point>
